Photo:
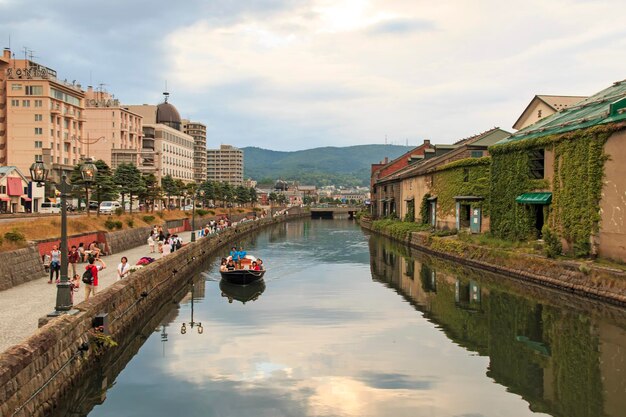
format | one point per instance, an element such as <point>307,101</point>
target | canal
<point>351,324</point>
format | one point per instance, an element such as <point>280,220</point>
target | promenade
<point>22,306</point>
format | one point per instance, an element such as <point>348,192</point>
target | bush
<point>14,236</point>
<point>553,247</point>
<point>160,214</point>
<point>109,224</point>
<point>148,219</point>
<point>119,211</point>
<point>211,212</point>
<point>130,223</point>
<point>397,229</point>
<point>118,224</point>
<point>202,212</point>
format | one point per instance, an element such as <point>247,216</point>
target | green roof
<point>607,106</point>
<point>535,198</point>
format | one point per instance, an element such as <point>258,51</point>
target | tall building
<point>225,164</point>
<point>198,132</point>
<point>166,150</point>
<point>41,117</point>
<point>112,132</point>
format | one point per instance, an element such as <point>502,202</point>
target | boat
<point>242,293</point>
<point>245,275</point>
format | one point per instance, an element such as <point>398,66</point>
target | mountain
<point>347,166</point>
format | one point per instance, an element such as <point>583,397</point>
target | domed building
<point>167,114</point>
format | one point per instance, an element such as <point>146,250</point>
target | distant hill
<point>347,166</point>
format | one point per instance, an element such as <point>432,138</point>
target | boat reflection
<point>242,293</point>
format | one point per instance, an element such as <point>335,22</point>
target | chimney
<point>90,88</point>
<point>426,141</point>
<point>386,160</point>
<point>6,54</point>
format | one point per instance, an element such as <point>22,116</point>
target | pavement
<point>22,306</point>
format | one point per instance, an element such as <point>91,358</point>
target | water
<point>348,324</point>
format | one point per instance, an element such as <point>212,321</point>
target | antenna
<point>31,55</point>
<point>25,52</point>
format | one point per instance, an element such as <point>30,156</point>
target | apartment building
<point>225,164</point>
<point>112,132</point>
<point>198,132</point>
<point>41,117</point>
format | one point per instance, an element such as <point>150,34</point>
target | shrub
<point>14,236</point>
<point>202,212</point>
<point>119,211</point>
<point>397,229</point>
<point>148,218</point>
<point>160,214</point>
<point>109,224</point>
<point>130,223</point>
<point>553,247</point>
<point>118,224</point>
<point>211,212</point>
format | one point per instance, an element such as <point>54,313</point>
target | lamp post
<point>193,218</point>
<point>39,174</point>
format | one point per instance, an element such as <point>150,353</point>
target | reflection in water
<point>242,293</point>
<point>327,339</point>
<point>563,362</point>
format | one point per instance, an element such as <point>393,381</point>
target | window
<point>66,161</point>
<point>38,158</point>
<point>38,144</point>
<point>39,117</point>
<point>25,103</point>
<point>537,163</point>
<point>3,189</point>
<point>34,90</point>
<point>539,114</point>
<point>15,103</point>
<point>16,87</point>
<point>66,123</point>
<point>466,175</point>
<point>38,131</point>
<point>38,103</point>
<point>477,154</point>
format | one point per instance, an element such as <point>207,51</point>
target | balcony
<point>55,110</point>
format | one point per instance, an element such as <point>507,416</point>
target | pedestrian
<point>167,246</point>
<point>123,269</point>
<point>72,259</point>
<point>81,252</point>
<point>92,285</point>
<point>55,263</point>
<point>151,242</point>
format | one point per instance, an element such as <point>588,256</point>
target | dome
<point>168,115</point>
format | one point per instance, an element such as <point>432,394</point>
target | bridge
<point>322,212</point>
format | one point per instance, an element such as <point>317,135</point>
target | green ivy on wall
<point>576,186</point>
<point>424,208</point>
<point>450,181</point>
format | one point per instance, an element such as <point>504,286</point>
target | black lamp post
<point>39,173</point>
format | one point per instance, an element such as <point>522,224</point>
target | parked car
<point>188,207</point>
<point>48,207</point>
<point>93,205</point>
<point>109,207</point>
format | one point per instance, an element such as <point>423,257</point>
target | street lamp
<point>39,174</point>
<point>183,328</point>
<point>193,217</point>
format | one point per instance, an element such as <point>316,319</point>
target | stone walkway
<point>22,306</point>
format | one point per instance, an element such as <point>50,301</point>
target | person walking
<point>72,259</point>
<point>167,246</point>
<point>123,269</point>
<point>92,286</point>
<point>55,263</point>
<point>151,242</point>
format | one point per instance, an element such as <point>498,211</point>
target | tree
<point>208,192</point>
<point>152,191</point>
<point>103,185</point>
<point>169,188</point>
<point>130,182</point>
<point>273,197</point>
<point>242,195</point>
<point>253,195</point>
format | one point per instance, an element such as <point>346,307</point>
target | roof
<point>167,114</point>
<point>606,106</point>
<point>557,103</point>
<point>484,138</point>
<point>6,170</point>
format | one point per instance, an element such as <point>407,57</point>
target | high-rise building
<point>225,164</point>
<point>166,150</point>
<point>41,117</point>
<point>198,132</point>
<point>112,132</point>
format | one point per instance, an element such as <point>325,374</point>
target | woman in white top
<point>123,268</point>
<point>167,246</point>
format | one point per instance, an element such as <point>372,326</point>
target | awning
<point>534,198</point>
<point>468,197</point>
<point>432,198</point>
<point>14,186</point>
<point>5,199</point>
<point>409,199</point>
<point>26,198</point>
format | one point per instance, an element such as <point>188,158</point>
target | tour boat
<point>243,275</point>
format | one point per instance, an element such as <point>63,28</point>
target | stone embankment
<point>604,284</point>
<point>36,374</point>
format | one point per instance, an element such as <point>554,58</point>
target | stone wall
<point>38,373</point>
<point>607,285</point>
<point>127,239</point>
<point>20,266</point>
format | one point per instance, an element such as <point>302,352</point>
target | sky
<point>295,74</point>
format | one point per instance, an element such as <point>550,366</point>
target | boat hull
<point>242,276</point>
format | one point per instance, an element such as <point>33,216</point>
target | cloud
<point>401,26</point>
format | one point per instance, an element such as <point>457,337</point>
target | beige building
<point>542,106</point>
<point>41,117</point>
<point>112,133</point>
<point>166,150</point>
<point>225,164</point>
<point>198,132</point>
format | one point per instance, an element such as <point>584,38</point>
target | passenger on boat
<point>223,265</point>
<point>241,255</point>
<point>255,266</point>
<point>230,266</point>
<point>234,255</point>
<point>260,264</point>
